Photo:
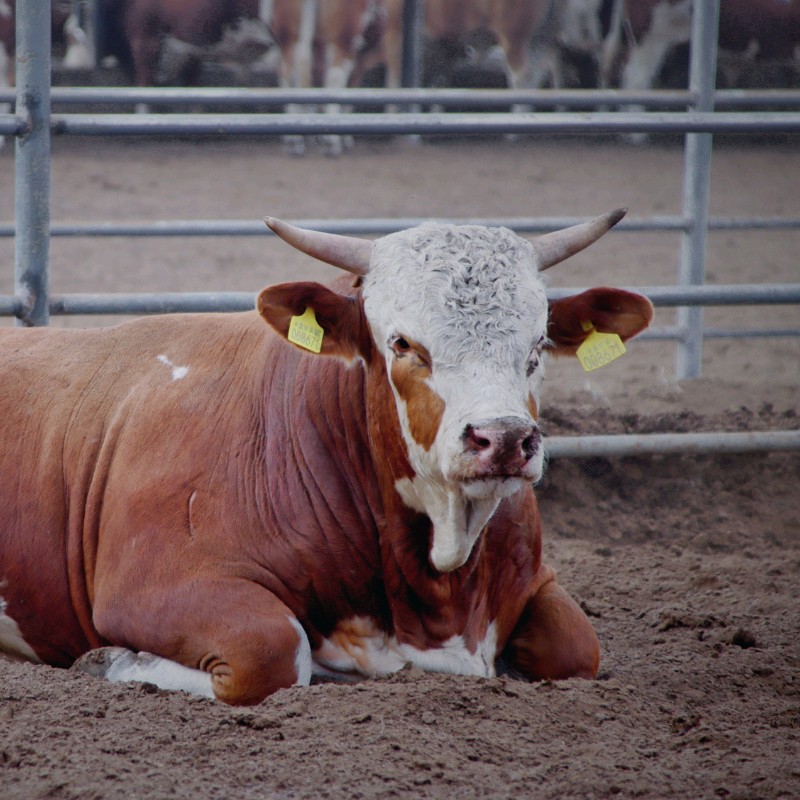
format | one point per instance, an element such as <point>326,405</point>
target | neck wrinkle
<point>312,485</point>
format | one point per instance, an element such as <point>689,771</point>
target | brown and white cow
<point>133,31</point>
<point>319,43</point>
<point>530,34</point>
<point>643,32</point>
<point>232,513</point>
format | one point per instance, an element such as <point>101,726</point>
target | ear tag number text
<point>599,349</point>
<point>305,331</point>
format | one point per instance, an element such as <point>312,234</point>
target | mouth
<point>503,485</point>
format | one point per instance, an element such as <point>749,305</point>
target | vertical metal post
<point>696,183</point>
<point>32,163</point>
<point>413,25</point>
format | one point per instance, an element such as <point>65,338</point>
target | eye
<point>535,357</point>
<point>416,354</point>
<point>400,346</point>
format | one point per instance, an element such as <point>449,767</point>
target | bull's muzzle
<point>500,447</point>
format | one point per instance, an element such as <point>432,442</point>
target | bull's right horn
<point>345,252</point>
<point>559,245</point>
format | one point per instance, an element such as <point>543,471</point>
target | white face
<point>460,315</point>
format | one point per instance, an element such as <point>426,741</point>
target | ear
<point>345,331</point>
<point>608,310</point>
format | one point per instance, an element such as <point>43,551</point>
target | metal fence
<point>33,125</point>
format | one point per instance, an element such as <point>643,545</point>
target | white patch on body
<point>265,10</point>
<point>457,520</point>
<point>671,24</point>
<point>79,53</point>
<point>302,659</point>
<point>148,668</point>
<point>177,372</point>
<point>454,658</point>
<point>369,651</point>
<point>11,642</point>
<point>474,298</point>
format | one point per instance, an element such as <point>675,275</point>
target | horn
<point>559,245</point>
<point>345,252</point>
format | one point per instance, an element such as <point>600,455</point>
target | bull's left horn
<point>559,245</point>
<point>345,252</point>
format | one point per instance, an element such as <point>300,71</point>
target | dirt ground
<point>688,566</point>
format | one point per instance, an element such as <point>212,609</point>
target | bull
<point>338,482</point>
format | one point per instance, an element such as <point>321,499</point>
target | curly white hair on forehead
<point>464,285</point>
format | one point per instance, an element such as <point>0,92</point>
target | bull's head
<point>460,316</point>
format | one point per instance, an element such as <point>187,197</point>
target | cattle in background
<point>644,32</point>
<point>532,36</point>
<point>224,512</point>
<point>319,42</point>
<point>66,35</point>
<point>134,31</point>
<point>336,42</point>
<point>246,50</point>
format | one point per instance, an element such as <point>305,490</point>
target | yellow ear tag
<point>599,349</point>
<point>306,332</point>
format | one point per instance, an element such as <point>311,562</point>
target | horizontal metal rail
<point>141,303</point>
<point>435,124</point>
<point>380,227</point>
<point>670,443</point>
<point>721,295</point>
<point>673,333</point>
<point>167,302</point>
<point>445,98</point>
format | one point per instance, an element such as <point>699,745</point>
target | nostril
<point>530,444</point>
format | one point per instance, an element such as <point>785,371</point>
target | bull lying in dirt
<point>227,513</point>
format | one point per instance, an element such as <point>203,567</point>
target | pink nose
<point>501,446</point>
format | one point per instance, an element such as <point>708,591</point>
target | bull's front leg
<point>553,638</point>
<point>226,638</point>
